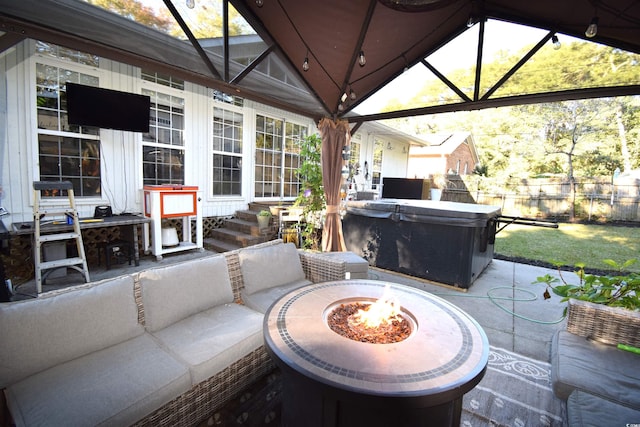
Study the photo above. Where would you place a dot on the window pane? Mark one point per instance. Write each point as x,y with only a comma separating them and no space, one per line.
49,166
70,166
47,119
162,165
227,171
71,159
91,186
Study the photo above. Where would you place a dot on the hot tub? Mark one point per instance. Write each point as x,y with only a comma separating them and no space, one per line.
447,242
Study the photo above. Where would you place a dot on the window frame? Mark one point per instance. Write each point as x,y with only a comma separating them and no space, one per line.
94,135
283,156
231,109
170,91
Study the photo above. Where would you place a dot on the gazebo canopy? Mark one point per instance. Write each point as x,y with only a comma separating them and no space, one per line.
333,37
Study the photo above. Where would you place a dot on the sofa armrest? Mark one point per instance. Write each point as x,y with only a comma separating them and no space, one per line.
318,268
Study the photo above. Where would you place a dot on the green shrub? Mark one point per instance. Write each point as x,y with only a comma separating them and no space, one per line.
614,290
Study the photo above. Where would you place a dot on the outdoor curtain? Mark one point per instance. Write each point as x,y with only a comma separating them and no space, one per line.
335,135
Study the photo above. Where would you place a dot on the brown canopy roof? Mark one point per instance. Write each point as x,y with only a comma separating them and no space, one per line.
392,34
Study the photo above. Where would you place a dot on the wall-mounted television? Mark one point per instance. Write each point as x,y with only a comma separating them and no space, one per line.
105,108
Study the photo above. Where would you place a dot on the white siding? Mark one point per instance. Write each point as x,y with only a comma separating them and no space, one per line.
16,136
121,152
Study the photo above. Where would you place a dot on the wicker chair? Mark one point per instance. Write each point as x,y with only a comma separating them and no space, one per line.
205,398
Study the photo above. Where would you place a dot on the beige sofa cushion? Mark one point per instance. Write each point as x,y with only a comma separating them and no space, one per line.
211,340
602,370
115,386
262,300
270,266
177,291
39,333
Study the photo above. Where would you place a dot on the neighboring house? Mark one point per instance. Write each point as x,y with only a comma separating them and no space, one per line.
235,150
445,153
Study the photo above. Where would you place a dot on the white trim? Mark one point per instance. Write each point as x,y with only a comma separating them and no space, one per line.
32,59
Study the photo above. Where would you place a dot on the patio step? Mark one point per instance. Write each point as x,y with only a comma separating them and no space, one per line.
219,245
239,238
248,215
241,231
243,225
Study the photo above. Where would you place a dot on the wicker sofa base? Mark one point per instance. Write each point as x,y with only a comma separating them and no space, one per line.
599,380
608,325
207,397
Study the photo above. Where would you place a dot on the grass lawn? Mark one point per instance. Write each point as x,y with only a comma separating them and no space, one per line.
571,243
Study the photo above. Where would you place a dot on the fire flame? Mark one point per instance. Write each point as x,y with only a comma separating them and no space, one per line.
383,311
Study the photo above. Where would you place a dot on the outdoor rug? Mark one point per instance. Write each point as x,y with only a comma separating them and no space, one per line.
515,392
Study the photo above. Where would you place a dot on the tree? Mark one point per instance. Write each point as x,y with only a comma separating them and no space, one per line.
624,147
137,11
207,20
512,141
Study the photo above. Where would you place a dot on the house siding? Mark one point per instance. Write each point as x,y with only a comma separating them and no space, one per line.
441,159
462,153
121,152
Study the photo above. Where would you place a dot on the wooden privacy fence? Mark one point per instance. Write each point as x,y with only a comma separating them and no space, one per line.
594,200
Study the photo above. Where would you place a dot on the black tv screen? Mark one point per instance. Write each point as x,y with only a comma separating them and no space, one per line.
105,108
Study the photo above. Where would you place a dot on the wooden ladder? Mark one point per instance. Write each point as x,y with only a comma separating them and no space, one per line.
43,268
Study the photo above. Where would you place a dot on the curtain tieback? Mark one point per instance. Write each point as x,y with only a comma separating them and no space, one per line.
333,209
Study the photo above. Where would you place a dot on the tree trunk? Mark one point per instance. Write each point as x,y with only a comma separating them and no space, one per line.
624,149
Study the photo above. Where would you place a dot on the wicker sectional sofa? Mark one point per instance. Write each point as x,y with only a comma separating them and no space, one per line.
165,346
600,382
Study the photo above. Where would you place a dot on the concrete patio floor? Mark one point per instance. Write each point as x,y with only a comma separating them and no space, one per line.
503,299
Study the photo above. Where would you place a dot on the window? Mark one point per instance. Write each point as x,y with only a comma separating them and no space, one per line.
354,159
60,52
227,153
376,173
65,152
162,79
227,99
277,157
269,147
163,146
292,161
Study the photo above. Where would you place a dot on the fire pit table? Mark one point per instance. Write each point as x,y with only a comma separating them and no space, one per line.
330,379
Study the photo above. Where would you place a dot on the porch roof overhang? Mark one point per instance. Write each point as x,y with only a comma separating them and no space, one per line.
393,34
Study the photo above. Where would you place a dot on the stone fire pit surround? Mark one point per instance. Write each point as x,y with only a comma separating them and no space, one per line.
444,357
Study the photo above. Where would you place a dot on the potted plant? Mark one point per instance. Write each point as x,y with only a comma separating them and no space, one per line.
264,218
603,307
